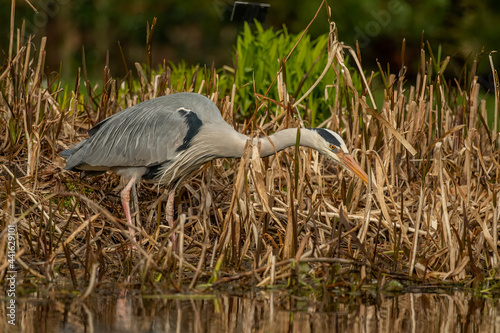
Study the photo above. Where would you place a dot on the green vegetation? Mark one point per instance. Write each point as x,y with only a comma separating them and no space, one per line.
260,54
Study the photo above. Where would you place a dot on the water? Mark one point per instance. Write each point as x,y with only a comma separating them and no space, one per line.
255,312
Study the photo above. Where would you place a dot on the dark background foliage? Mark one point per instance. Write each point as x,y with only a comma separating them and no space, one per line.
198,31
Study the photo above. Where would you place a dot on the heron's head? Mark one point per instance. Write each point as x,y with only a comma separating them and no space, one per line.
332,145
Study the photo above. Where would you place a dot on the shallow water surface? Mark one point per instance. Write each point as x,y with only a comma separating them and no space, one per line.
256,312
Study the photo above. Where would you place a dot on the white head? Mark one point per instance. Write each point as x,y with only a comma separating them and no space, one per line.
331,144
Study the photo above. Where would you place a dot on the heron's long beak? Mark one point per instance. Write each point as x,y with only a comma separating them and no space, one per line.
349,163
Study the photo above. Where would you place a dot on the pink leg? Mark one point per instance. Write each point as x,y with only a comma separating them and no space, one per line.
169,212
125,194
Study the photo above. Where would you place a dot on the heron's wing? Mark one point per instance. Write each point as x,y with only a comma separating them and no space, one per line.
147,134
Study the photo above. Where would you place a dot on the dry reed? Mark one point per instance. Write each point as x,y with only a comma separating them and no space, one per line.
292,219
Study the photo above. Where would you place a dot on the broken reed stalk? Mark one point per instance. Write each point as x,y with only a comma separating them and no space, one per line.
236,216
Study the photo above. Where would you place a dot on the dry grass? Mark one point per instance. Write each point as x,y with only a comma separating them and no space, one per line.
291,219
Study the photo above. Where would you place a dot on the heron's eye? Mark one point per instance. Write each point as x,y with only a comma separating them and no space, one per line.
332,147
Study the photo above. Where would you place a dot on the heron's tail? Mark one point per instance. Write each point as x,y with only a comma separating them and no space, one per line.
66,153
71,160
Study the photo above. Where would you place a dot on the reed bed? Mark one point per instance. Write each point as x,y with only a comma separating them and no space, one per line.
292,220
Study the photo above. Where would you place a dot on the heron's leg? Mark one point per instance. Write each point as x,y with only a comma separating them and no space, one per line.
125,194
134,203
169,212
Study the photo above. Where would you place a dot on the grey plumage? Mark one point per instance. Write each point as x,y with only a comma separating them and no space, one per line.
148,138
167,138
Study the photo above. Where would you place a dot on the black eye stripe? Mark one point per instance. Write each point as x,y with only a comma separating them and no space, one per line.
328,137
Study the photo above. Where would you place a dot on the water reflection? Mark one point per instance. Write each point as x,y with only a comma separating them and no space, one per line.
260,312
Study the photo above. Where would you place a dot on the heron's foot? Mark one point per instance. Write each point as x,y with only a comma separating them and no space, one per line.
133,245
134,242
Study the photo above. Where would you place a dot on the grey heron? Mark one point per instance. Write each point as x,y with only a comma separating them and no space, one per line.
165,139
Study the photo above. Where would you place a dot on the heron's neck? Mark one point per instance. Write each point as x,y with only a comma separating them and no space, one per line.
283,139
230,143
